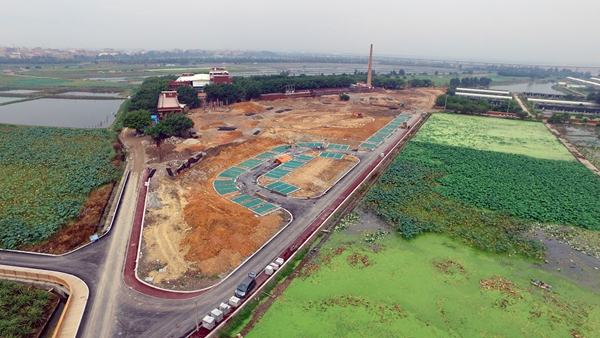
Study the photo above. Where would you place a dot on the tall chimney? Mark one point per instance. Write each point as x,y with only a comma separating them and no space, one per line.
370,68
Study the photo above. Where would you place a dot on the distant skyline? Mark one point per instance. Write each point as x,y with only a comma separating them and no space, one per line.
527,31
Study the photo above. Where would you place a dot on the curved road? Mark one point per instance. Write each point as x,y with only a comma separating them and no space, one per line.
115,310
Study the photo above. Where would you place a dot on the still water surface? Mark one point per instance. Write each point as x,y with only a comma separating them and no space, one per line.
8,99
89,94
61,113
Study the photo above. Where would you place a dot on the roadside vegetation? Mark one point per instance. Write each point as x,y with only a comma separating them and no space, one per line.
24,309
46,176
477,107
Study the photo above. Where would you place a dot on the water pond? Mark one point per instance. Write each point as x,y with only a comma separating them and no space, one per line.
61,113
9,99
90,94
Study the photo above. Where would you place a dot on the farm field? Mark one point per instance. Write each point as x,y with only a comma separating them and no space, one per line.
46,176
24,309
485,198
428,287
493,134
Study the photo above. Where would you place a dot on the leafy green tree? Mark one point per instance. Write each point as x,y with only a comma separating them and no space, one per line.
253,91
559,118
521,114
454,82
137,120
172,124
146,97
344,97
188,95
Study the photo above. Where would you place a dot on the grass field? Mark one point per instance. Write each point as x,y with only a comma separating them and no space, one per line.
493,134
24,309
429,287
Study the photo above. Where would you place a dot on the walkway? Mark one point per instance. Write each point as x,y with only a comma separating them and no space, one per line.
516,96
69,321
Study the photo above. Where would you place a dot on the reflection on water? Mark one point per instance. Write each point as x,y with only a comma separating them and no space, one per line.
19,91
8,99
89,94
61,113
543,88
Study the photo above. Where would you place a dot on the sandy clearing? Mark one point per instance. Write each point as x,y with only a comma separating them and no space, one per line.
318,175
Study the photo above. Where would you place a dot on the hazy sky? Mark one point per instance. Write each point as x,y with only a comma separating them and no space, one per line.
552,31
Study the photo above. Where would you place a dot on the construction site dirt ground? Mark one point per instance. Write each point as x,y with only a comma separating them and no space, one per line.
192,236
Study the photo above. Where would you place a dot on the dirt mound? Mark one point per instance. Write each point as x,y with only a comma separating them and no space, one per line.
228,137
224,233
247,107
212,125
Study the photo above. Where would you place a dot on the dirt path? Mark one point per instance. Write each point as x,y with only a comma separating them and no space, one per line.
135,150
516,97
579,156
103,310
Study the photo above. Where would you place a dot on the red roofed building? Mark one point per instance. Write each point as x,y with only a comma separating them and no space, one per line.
168,104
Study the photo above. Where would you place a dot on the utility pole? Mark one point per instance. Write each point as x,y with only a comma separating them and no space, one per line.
445,101
507,109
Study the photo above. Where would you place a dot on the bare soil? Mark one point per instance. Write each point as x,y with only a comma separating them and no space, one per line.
197,236
318,175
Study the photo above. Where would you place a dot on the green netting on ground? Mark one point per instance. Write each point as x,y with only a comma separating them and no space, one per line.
291,165
310,144
264,208
232,172
240,199
282,187
375,139
303,158
251,163
277,173
368,145
252,203
280,149
331,155
338,146
266,154
224,187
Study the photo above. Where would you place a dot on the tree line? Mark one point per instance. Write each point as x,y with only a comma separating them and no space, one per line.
470,82
540,73
478,107
252,87
594,97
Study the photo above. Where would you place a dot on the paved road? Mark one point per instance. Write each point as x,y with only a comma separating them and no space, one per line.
115,310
